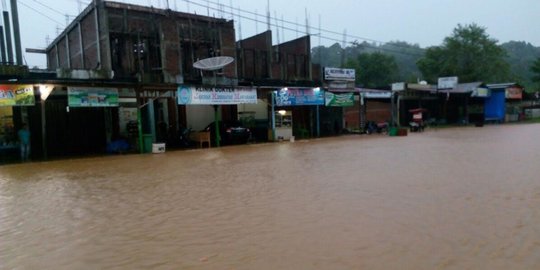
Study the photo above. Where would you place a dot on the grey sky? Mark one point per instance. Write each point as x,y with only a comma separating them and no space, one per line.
424,22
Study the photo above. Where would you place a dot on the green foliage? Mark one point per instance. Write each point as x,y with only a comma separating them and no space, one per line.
521,56
468,53
535,69
374,69
404,54
327,57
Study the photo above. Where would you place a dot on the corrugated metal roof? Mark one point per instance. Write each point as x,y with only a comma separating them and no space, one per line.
463,88
460,88
501,85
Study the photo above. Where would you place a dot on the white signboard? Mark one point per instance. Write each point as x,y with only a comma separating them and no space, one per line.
377,94
447,83
216,95
398,86
339,74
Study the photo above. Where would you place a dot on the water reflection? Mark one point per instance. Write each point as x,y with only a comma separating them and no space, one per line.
444,199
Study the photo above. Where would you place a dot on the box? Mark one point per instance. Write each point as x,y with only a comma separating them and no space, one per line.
158,148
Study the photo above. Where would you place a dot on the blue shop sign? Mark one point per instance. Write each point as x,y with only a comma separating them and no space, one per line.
299,96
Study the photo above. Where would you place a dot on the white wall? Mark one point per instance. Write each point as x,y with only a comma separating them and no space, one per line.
260,109
199,116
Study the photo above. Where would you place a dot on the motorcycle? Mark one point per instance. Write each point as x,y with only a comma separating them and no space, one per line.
184,139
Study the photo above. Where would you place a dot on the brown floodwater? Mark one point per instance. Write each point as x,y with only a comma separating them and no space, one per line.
459,198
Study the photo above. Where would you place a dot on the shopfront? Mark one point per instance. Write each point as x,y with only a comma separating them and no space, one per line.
333,119
14,101
296,112
206,106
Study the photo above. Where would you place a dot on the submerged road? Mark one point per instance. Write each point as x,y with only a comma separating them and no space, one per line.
459,198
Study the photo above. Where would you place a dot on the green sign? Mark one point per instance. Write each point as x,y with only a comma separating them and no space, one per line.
17,95
338,99
92,97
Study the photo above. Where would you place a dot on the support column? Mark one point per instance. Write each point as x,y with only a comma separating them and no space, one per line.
318,124
43,131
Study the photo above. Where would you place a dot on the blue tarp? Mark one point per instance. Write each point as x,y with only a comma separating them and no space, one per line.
494,107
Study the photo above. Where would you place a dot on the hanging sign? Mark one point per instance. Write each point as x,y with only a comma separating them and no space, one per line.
92,97
481,92
339,74
447,83
17,95
338,99
514,93
216,95
298,97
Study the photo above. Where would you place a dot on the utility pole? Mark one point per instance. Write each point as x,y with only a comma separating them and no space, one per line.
16,32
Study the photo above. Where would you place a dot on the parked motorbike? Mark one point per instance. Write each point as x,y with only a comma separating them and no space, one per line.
372,127
184,137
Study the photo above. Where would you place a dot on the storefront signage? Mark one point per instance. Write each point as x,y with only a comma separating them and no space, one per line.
216,95
378,94
92,97
17,95
400,86
339,74
298,97
514,93
338,99
447,83
480,92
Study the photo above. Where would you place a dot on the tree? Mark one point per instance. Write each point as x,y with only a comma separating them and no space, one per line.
535,69
374,69
468,53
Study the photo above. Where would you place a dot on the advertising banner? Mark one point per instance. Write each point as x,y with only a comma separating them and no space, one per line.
339,74
481,92
514,93
17,95
92,97
190,95
299,97
447,82
338,99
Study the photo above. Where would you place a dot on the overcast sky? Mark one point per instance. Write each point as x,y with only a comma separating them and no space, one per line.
423,22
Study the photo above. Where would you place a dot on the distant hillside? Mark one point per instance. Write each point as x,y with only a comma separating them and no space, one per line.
404,53
520,57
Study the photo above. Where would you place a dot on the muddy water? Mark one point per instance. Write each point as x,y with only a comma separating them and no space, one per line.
464,198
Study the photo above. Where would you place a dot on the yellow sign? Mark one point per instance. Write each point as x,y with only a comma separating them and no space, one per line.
17,95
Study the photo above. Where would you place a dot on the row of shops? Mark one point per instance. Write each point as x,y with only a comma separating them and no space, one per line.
77,120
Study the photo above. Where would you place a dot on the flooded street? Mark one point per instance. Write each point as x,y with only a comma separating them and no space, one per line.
459,198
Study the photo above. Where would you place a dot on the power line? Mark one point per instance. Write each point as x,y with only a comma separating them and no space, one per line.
52,9
321,30
39,12
319,34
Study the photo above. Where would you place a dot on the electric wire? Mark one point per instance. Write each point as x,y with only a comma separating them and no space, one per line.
39,12
294,30
49,8
320,29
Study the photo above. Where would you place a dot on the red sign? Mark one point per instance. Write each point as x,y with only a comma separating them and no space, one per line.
514,93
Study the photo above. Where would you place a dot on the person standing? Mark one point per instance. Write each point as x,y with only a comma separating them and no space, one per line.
24,141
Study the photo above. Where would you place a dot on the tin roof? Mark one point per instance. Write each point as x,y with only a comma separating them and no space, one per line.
502,85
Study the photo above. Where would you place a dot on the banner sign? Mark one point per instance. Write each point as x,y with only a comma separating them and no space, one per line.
339,74
447,83
400,86
514,93
17,95
92,97
338,99
215,95
480,92
380,94
298,97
